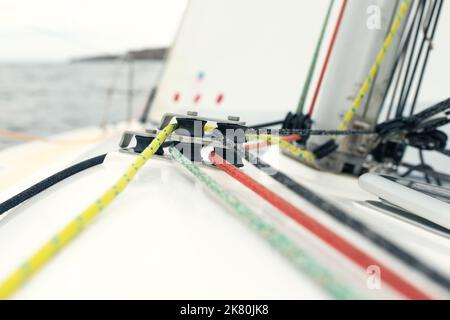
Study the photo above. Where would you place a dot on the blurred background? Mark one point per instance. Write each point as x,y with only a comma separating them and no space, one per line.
68,64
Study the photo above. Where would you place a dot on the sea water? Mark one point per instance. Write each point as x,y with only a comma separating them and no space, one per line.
48,98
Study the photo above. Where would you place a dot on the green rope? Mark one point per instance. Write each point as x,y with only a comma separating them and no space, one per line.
322,276
313,65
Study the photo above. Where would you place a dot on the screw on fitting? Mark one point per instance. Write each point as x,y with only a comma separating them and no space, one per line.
234,118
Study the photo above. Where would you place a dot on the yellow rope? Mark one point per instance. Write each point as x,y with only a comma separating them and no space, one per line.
375,68
77,225
296,152
299,153
14,135
309,156
288,147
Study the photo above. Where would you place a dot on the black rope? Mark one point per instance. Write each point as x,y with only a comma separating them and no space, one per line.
427,170
305,132
445,152
400,65
423,164
268,124
49,182
425,38
403,98
430,171
341,216
443,106
397,70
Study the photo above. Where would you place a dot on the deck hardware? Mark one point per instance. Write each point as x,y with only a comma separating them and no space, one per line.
190,137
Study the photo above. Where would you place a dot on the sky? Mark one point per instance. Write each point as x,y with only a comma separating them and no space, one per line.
58,30
49,30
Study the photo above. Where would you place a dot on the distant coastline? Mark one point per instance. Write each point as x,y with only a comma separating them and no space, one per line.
144,54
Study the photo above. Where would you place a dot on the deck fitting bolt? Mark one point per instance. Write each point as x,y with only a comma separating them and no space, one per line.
192,113
233,118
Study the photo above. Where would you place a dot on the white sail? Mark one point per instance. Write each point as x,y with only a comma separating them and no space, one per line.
240,57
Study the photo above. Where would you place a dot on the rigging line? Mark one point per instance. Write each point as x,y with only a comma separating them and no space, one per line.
403,97
109,94
301,154
375,68
425,38
268,143
66,235
372,89
267,124
398,56
423,164
154,90
282,243
328,56
130,89
255,131
445,152
49,182
315,58
427,21
436,175
422,168
304,219
314,132
427,56
342,217
406,62
443,106
297,152
150,97
402,57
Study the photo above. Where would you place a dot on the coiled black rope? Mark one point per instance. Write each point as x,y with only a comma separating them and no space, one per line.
49,182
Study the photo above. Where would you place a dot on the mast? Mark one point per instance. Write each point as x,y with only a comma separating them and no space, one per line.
363,30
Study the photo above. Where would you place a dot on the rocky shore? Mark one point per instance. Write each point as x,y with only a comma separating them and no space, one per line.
144,54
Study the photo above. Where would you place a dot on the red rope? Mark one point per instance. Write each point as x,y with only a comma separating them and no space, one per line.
327,58
334,240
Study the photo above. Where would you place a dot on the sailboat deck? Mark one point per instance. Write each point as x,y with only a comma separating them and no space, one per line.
169,237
